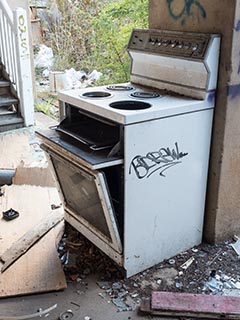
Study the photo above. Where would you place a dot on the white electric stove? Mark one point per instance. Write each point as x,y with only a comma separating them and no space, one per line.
131,159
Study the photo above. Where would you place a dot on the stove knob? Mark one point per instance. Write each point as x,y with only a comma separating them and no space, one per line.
187,45
173,44
165,43
180,45
153,42
194,47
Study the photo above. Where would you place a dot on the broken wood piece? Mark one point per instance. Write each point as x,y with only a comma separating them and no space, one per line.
24,243
192,305
39,270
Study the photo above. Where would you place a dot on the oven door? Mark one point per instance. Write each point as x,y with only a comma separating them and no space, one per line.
87,201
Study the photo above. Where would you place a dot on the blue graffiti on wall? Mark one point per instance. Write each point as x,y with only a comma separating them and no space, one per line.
187,9
237,28
234,91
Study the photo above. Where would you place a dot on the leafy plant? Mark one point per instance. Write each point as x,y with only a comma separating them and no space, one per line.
112,29
45,106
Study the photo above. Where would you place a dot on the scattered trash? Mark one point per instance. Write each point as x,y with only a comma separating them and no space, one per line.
214,285
66,315
223,278
44,58
179,285
64,258
121,305
10,214
236,246
187,264
105,297
75,304
74,277
104,285
215,257
116,286
171,261
220,283
55,207
94,75
79,79
40,313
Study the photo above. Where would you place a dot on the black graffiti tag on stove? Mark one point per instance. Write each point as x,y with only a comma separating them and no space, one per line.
156,162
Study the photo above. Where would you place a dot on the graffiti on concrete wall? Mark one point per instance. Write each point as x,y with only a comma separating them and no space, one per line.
233,90
187,9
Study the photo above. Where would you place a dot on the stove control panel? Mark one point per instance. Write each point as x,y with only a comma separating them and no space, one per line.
189,45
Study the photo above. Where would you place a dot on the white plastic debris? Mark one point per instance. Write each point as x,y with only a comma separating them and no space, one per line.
236,246
187,264
79,79
44,57
94,75
214,285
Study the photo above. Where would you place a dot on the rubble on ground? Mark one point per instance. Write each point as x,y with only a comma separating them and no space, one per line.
207,269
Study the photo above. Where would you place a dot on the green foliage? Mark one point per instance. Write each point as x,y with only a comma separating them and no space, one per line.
70,35
44,106
112,29
94,34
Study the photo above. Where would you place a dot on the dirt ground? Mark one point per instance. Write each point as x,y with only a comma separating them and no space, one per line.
208,269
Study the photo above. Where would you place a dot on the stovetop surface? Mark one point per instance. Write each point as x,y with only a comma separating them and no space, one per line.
127,103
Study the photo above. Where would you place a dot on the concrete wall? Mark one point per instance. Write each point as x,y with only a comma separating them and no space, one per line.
221,16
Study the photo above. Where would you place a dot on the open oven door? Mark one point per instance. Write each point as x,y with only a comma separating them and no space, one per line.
87,201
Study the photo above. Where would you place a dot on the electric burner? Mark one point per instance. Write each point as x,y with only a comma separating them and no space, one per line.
96,94
145,95
120,88
130,105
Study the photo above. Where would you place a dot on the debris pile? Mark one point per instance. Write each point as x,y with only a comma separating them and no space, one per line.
208,269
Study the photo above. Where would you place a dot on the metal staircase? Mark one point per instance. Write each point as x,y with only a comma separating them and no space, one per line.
16,84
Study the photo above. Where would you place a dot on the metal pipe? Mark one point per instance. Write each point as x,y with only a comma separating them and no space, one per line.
6,177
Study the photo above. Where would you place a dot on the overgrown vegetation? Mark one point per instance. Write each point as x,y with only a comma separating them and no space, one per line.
93,34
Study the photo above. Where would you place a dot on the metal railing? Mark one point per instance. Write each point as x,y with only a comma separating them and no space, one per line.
15,56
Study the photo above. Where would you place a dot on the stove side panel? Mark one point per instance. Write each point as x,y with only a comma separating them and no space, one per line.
166,166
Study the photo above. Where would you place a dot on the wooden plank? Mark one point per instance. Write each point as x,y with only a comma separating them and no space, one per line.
33,204
192,305
39,269
19,148
24,243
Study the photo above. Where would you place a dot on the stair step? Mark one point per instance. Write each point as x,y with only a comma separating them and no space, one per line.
4,83
10,122
6,100
7,110
4,87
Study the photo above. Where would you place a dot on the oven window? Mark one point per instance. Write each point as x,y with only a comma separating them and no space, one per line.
81,194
